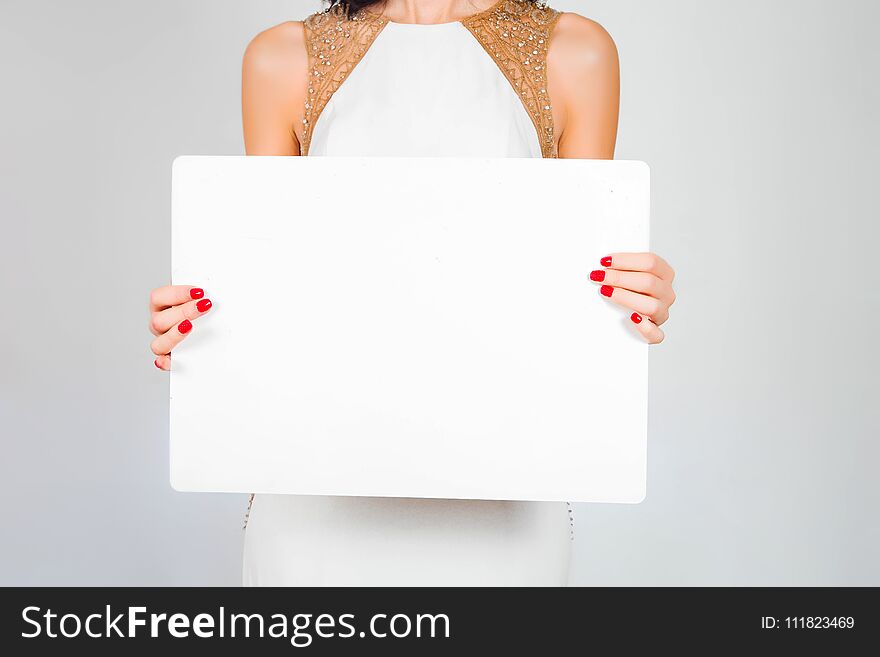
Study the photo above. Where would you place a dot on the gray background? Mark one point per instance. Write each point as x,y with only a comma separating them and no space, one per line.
759,120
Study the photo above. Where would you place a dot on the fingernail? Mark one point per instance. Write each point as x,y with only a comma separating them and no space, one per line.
196,292
185,326
597,275
156,363
203,305
606,261
636,318
606,290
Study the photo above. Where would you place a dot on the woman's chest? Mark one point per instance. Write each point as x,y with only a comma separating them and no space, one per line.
425,90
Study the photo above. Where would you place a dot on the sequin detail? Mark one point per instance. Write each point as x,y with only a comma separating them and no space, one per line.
516,33
335,43
247,513
570,520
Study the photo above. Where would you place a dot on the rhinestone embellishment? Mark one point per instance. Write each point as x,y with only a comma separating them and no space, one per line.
516,33
347,38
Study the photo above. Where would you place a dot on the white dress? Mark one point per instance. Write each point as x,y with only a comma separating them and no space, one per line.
415,90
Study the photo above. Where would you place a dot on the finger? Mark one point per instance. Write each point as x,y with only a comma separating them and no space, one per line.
636,281
173,295
641,303
649,330
648,262
661,317
165,319
163,362
163,344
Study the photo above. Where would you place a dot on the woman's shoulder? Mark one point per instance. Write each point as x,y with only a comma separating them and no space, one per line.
574,37
274,72
276,48
582,42
584,74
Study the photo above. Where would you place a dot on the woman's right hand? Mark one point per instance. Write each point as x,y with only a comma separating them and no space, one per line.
172,309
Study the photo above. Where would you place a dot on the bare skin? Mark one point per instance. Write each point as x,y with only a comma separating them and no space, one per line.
583,81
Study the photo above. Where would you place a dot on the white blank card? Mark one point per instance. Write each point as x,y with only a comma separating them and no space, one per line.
408,327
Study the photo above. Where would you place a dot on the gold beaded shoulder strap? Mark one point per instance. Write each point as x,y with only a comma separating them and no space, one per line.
335,43
516,33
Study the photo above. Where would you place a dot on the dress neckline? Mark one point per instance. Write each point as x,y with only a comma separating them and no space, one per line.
487,10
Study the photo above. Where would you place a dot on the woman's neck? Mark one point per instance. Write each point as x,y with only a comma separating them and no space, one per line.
430,11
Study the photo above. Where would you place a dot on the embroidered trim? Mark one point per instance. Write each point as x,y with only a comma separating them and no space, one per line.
247,513
570,520
516,33
335,43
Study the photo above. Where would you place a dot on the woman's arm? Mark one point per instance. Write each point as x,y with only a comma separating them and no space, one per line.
273,86
584,83
273,83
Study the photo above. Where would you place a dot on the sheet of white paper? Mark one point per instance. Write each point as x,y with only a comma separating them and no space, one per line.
408,327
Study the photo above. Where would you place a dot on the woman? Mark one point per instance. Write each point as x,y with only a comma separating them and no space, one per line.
429,78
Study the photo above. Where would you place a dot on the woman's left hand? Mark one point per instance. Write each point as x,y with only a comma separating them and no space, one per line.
641,282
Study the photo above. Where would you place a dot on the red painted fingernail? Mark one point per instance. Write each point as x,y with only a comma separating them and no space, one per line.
606,261
196,292
203,305
606,290
185,326
636,318
156,363
597,275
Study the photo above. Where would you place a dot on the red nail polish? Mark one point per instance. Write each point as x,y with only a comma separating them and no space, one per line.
606,290
636,318
203,305
185,326
606,261
156,363
196,292
597,275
